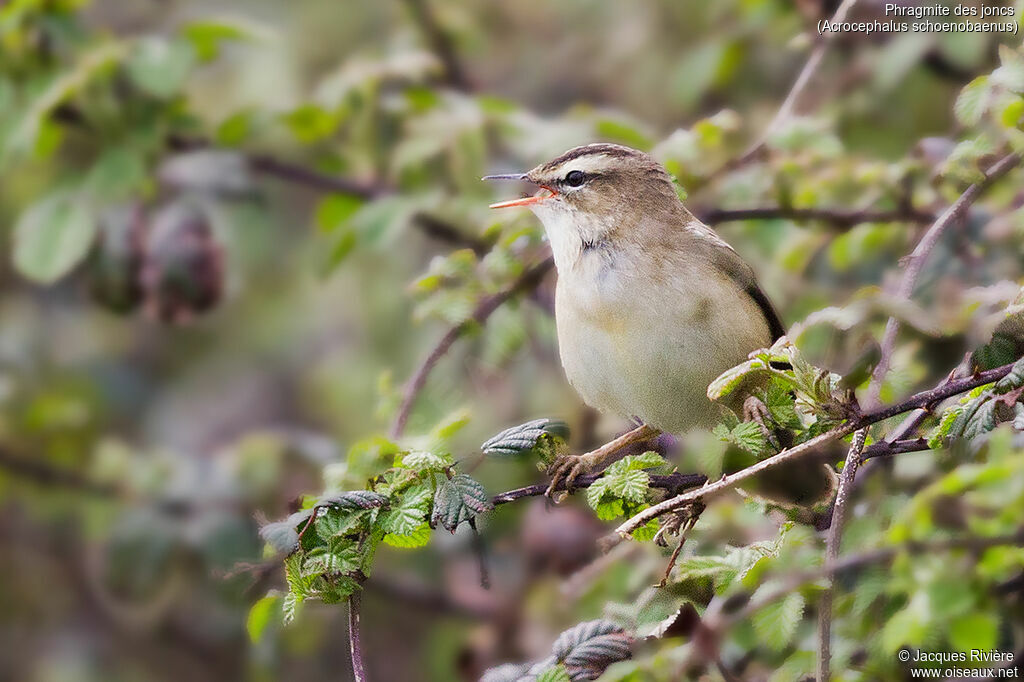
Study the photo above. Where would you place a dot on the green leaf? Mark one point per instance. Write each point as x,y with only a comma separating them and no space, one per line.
747,436
459,499
353,499
206,36
409,514
977,630
647,460
310,123
119,173
776,623
159,66
1015,379
53,236
427,461
419,537
556,673
260,616
523,439
630,484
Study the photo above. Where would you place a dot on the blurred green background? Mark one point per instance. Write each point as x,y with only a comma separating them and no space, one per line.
315,166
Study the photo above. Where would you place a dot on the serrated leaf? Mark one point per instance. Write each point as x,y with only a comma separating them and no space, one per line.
747,436
590,647
523,438
647,460
1015,379
53,236
353,499
776,623
630,485
427,461
731,379
409,514
459,499
418,537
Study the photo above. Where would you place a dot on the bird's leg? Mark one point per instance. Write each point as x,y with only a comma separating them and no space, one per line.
568,468
754,410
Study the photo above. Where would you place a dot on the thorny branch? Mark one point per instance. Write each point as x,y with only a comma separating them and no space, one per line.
876,415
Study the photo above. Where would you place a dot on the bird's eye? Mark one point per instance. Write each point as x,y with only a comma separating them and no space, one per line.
574,178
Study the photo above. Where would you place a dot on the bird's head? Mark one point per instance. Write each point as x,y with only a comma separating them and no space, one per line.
596,192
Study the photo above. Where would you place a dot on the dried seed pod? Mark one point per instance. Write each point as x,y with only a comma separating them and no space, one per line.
115,266
183,263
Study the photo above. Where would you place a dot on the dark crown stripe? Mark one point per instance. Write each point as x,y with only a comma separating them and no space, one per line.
613,150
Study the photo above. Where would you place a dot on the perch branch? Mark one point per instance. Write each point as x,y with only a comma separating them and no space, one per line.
530,278
865,419
672,482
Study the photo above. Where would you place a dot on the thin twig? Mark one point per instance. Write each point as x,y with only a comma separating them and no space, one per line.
788,106
354,641
440,43
835,534
675,482
916,260
525,282
843,218
41,472
865,419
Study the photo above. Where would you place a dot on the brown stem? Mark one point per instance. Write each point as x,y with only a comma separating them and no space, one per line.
525,282
675,482
354,640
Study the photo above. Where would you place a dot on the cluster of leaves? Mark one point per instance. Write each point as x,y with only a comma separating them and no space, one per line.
582,652
982,410
330,544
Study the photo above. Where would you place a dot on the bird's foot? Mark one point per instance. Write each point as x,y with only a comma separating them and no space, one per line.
567,468
754,410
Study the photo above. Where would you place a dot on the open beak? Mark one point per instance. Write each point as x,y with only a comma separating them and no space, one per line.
525,201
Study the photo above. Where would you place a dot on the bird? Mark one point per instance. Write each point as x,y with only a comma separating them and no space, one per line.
651,304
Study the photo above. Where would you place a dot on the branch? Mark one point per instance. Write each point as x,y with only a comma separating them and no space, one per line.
440,44
808,71
354,641
41,472
835,535
526,281
839,217
916,260
930,396
675,482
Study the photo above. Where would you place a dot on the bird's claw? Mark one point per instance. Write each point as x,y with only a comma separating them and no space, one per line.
567,468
